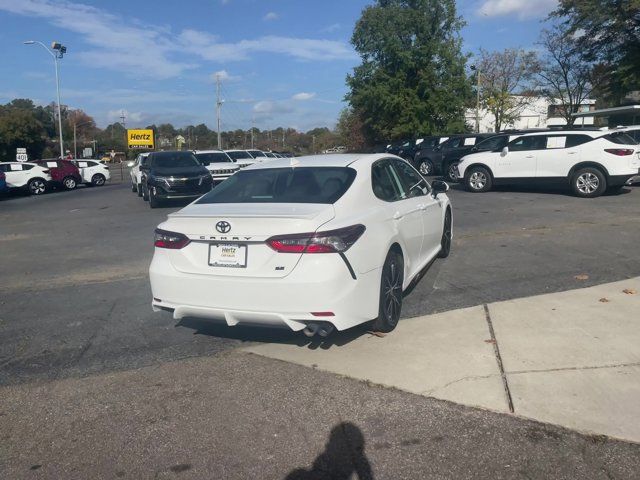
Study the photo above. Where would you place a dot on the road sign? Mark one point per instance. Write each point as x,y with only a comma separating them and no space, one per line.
21,155
140,139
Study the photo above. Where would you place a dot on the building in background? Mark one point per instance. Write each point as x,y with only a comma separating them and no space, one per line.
536,112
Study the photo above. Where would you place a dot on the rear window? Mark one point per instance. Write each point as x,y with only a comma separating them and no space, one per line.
212,157
493,144
173,159
283,185
257,153
239,155
621,138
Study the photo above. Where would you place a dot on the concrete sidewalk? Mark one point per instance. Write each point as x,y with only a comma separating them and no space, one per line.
569,358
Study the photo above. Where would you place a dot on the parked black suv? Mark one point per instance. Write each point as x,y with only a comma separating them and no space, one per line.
446,155
173,175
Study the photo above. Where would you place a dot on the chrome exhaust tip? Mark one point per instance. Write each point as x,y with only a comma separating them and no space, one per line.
311,329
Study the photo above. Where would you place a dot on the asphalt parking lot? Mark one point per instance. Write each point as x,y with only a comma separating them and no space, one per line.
75,303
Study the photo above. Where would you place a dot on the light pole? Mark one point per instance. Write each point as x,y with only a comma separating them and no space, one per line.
75,144
61,50
477,70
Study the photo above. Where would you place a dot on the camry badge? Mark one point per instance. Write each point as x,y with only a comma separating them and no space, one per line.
223,227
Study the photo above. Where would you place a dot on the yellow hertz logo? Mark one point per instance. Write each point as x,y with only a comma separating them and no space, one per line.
140,138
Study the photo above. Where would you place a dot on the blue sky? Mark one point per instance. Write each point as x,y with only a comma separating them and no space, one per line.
282,62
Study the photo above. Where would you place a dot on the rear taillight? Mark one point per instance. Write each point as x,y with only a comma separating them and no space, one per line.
106,168
171,240
2,176
45,171
331,241
620,152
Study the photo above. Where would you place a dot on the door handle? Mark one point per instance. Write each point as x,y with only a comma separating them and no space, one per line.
422,207
529,156
572,153
397,216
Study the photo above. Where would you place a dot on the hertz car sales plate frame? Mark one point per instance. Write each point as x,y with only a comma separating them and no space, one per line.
229,255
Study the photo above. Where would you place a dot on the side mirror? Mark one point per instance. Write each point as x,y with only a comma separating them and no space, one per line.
129,164
438,187
504,152
474,148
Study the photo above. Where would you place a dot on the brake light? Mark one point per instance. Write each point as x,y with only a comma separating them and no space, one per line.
45,171
170,240
331,241
620,152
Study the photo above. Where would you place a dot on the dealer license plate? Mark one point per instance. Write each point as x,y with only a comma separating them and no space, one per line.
227,255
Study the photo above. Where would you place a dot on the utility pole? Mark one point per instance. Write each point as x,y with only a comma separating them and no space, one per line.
123,117
313,148
478,73
218,106
253,123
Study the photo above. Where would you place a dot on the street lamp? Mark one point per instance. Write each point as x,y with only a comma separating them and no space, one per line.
75,144
60,51
477,70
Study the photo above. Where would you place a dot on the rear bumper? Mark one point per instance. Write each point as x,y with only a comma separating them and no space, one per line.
620,180
319,283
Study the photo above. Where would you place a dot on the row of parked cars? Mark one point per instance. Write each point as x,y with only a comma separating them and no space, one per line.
172,175
39,176
589,161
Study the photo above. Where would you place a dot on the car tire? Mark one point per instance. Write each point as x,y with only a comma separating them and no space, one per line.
98,180
390,301
588,182
69,183
478,179
145,193
447,234
154,202
139,189
452,172
134,188
37,186
426,167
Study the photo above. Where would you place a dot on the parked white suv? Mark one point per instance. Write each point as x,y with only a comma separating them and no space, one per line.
93,172
136,176
26,175
241,157
219,164
586,160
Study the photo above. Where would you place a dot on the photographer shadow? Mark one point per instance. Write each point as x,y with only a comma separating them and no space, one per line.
343,457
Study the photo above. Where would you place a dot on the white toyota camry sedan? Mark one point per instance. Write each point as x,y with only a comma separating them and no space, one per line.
313,243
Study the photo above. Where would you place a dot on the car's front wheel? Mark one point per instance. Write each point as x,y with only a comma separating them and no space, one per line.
588,183
452,172
390,302
98,180
154,201
69,183
478,179
139,189
37,186
426,167
145,193
134,187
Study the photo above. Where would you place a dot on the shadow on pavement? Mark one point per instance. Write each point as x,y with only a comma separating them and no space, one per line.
271,334
548,190
343,456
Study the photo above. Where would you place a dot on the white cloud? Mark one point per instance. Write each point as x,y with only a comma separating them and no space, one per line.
224,76
270,16
153,51
303,96
331,28
268,107
521,8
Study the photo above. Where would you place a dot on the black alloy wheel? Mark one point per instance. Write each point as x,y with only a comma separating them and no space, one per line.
390,303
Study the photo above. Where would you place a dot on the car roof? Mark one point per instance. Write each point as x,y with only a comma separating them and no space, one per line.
209,151
21,163
329,160
591,133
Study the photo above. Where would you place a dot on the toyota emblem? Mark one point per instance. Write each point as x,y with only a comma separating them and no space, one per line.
223,227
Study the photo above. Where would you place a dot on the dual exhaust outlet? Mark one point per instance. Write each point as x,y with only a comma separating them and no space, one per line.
321,329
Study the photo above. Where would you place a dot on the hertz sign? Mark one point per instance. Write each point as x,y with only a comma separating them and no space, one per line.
140,139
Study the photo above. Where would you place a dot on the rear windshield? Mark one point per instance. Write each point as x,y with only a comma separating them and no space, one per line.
621,138
239,155
283,185
212,157
492,144
173,159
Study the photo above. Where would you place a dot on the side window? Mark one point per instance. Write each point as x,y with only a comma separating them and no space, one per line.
27,167
454,143
575,140
385,183
413,183
15,167
534,142
4,168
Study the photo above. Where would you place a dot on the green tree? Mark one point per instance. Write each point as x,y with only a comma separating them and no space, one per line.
19,128
608,33
351,131
412,78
